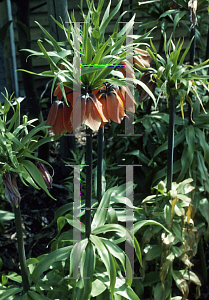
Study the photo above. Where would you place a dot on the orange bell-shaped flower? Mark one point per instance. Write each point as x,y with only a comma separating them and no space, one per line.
112,105
87,110
59,118
127,98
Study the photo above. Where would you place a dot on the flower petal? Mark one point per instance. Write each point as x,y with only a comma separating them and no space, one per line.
52,113
68,92
127,98
58,127
66,118
92,117
103,100
78,113
115,108
98,107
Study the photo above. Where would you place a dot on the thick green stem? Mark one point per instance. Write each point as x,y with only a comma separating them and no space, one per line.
88,180
100,163
170,143
21,249
192,49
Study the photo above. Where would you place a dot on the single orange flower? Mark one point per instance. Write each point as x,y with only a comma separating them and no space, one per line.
59,118
112,105
87,110
127,98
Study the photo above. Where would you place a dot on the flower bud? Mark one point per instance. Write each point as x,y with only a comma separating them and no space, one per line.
45,174
11,190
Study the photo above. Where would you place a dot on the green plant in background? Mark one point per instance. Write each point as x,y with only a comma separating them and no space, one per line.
18,141
174,78
174,210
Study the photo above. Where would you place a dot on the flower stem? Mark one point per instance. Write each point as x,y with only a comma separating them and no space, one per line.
100,163
207,48
191,59
88,180
21,249
170,143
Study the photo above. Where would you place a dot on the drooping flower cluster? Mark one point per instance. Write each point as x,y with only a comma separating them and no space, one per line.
93,109
97,107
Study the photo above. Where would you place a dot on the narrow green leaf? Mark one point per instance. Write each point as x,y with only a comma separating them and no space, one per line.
201,166
185,52
54,42
190,139
107,259
36,175
49,59
140,224
124,291
6,215
17,145
58,255
27,177
36,296
87,269
5,294
108,17
73,221
178,16
119,254
75,257
101,212
204,208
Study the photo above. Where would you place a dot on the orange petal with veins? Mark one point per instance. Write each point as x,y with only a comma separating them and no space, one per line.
78,113
66,118
126,96
58,127
103,100
52,113
92,117
115,108
98,107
